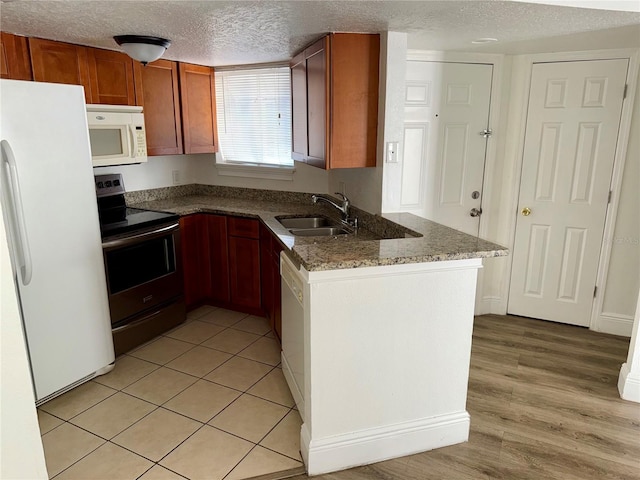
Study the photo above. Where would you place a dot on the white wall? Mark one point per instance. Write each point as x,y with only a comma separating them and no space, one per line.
155,173
305,179
21,453
200,168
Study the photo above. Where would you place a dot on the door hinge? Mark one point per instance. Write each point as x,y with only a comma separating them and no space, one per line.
595,289
624,92
486,133
610,195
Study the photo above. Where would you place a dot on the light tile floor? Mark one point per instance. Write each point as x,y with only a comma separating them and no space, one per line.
206,400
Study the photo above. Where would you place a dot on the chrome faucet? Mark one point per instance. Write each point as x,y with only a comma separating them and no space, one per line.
343,209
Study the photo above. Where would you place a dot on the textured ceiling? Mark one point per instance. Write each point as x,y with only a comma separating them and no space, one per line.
239,32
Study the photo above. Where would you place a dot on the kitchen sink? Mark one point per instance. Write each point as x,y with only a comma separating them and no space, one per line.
305,222
319,231
314,226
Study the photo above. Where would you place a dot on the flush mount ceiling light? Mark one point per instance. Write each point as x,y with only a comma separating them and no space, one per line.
480,41
142,48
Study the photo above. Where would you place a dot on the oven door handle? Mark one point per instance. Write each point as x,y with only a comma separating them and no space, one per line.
135,323
123,242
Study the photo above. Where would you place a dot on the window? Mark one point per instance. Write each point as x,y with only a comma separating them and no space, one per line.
254,116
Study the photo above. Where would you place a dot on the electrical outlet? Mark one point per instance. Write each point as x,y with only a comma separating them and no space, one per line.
176,177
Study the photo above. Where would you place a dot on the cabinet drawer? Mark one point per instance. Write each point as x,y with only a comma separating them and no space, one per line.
243,227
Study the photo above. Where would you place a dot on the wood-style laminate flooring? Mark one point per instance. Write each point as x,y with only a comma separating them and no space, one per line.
544,404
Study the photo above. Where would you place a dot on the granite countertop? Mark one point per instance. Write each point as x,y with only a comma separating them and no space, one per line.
389,239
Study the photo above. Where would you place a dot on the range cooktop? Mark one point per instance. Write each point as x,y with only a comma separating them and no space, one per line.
118,219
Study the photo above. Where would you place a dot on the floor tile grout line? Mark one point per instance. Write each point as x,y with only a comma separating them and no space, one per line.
81,412
84,456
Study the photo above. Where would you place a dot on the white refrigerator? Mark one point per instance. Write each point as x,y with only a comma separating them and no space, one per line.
51,217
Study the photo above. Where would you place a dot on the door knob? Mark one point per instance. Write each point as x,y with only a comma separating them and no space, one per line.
526,211
475,212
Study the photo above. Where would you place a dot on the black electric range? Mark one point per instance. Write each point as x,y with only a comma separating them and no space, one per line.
118,219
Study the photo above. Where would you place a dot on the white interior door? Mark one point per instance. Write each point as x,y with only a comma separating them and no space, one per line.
446,111
570,142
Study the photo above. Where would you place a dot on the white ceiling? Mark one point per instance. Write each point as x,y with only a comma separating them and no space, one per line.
240,32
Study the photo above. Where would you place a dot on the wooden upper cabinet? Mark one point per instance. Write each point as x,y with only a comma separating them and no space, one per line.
111,77
14,57
354,81
340,75
299,145
57,62
317,85
198,103
157,92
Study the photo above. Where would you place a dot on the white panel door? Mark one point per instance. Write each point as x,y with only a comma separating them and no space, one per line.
446,109
570,142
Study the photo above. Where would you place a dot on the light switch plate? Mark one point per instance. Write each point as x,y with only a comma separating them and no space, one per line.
392,152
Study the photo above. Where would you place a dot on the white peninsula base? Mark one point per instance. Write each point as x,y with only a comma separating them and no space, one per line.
386,354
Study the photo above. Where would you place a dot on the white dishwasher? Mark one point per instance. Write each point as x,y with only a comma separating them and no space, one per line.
293,329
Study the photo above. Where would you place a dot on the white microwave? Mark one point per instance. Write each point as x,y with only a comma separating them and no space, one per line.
116,134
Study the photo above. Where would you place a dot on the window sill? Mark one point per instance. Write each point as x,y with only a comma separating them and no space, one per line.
267,172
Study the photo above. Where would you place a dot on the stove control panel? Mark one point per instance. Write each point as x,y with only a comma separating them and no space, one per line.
110,184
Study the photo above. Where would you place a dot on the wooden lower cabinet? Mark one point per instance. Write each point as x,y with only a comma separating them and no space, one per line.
244,268
218,258
244,262
270,248
221,262
195,259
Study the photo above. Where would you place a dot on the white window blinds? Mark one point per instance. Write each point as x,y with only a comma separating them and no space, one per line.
254,115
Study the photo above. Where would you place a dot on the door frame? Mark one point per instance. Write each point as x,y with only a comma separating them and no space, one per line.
521,84
497,62
497,112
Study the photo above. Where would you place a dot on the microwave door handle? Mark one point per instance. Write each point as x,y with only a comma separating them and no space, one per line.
22,251
133,141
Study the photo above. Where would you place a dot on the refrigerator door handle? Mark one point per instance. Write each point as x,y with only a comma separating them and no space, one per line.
24,261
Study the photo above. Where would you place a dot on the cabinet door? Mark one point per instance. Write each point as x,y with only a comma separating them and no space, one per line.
299,107
57,62
14,57
266,274
197,94
157,93
244,263
111,77
218,258
317,102
195,259
354,100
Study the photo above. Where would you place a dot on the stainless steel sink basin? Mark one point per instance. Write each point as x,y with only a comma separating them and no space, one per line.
305,222
319,231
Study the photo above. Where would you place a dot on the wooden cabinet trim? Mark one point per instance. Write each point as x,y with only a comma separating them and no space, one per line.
15,63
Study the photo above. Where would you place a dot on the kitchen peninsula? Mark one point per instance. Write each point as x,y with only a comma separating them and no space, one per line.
385,331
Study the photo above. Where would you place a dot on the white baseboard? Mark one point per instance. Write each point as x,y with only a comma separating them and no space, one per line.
488,305
377,444
628,385
615,324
